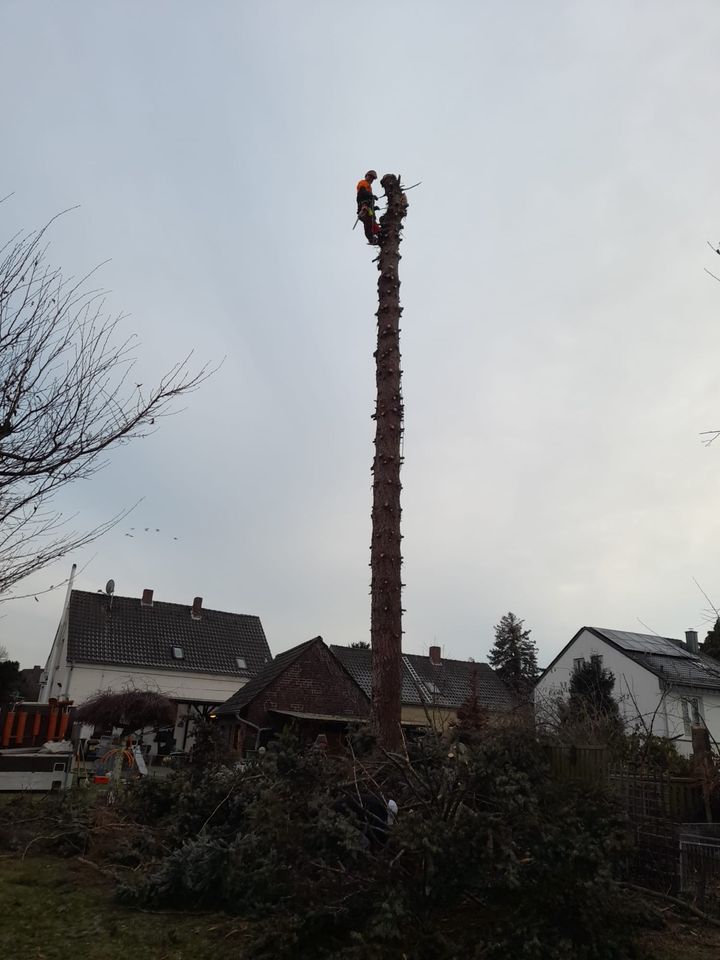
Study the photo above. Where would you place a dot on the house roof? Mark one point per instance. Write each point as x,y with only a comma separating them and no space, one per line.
264,678
423,682
667,658
125,632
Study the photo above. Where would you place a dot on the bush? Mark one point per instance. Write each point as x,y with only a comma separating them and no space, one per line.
647,750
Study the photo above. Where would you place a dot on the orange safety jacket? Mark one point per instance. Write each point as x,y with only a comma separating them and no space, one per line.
365,194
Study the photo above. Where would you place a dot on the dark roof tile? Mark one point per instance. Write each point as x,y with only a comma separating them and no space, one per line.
127,633
446,685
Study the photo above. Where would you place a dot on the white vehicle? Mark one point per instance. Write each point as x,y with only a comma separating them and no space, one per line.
44,769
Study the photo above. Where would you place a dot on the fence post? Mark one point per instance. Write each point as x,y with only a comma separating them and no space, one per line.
702,762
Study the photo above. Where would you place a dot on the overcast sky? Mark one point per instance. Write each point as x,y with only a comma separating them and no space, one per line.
561,342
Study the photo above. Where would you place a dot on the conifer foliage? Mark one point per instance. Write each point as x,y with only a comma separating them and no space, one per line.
591,690
488,857
711,646
514,655
9,680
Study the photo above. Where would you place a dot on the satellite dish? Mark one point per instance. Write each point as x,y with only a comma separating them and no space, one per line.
110,587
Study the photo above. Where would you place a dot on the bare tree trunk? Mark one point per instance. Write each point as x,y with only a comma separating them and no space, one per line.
385,555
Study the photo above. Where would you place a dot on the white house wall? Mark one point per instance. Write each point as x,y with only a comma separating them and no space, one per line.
54,672
636,689
83,680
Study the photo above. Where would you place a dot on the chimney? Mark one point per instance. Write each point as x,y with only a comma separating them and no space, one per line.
435,656
691,641
146,598
196,611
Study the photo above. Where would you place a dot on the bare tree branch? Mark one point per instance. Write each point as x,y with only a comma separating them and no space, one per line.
717,613
67,396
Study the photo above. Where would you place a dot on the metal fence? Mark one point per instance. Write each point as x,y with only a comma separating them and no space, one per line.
699,878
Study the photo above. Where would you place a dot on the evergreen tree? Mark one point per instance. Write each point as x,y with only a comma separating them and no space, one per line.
514,655
711,645
9,680
591,691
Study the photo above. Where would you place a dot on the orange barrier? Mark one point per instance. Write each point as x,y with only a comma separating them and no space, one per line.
8,728
31,724
52,720
20,729
64,721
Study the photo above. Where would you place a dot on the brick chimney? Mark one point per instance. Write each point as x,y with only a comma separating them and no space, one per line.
196,610
435,657
146,598
691,641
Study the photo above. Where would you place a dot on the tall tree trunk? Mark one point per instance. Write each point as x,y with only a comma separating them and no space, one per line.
385,556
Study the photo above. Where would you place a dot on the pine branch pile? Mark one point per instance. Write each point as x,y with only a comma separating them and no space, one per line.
488,857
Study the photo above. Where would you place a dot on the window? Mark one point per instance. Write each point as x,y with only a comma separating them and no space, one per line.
177,653
578,663
240,661
596,660
431,687
690,713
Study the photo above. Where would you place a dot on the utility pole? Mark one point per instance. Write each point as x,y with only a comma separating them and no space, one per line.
385,554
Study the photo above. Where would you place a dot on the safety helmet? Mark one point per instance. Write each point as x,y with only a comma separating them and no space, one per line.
371,175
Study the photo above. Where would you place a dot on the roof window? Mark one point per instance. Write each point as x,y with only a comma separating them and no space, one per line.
178,653
240,661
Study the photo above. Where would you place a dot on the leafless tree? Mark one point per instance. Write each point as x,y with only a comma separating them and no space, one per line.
67,395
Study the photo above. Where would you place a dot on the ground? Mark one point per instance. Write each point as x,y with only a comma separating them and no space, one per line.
53,908
684,941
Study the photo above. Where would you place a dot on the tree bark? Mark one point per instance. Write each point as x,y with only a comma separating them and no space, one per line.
385,554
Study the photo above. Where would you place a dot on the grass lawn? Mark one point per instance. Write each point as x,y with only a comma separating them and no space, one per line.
52,908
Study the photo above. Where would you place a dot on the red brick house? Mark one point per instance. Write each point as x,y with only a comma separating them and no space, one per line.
305,688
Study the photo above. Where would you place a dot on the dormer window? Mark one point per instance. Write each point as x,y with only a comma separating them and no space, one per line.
240,661
178,653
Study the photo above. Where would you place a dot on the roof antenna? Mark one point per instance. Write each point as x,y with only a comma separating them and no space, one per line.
110,590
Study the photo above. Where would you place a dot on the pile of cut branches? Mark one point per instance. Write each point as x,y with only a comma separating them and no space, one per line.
487,857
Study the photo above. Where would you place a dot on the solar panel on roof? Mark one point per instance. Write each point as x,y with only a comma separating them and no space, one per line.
643,643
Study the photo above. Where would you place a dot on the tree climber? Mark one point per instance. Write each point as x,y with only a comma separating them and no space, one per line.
366,207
